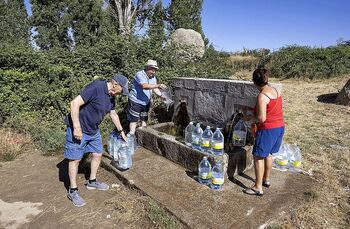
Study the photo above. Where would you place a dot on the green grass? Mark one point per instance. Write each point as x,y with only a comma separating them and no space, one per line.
311,195
160,217
7,157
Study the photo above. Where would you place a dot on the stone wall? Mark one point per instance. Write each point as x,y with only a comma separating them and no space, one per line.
213,101
174,149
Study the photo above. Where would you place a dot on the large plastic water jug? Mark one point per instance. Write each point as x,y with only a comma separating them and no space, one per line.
217,143
206,140
197,137
110,145
294,158
124,157
167,95
204,171
188,134
131,143
218,174
117,140
281,158
239,134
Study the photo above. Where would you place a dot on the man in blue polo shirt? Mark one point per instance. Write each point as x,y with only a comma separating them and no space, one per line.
83,136
140,97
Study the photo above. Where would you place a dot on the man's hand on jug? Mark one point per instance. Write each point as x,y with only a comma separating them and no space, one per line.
162,86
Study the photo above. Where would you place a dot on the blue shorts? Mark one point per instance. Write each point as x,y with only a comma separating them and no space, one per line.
75,149
268,141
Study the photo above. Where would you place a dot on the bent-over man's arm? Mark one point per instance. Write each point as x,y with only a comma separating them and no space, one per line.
118,125
75,105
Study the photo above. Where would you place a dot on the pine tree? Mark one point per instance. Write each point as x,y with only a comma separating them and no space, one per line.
87,21
51,22
156,30
14,22
185,14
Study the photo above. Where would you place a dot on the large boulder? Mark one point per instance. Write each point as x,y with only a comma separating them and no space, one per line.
344,95
187,44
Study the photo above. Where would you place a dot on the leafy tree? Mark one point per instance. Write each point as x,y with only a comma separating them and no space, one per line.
87,21
14,22
185,14
51,21
127,12
156,30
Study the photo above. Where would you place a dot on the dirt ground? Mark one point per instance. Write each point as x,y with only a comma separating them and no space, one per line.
33,195
33,187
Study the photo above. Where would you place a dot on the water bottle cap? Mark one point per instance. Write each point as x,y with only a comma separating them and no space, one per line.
191,123
208,127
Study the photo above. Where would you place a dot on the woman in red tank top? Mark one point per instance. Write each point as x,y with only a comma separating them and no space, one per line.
269,116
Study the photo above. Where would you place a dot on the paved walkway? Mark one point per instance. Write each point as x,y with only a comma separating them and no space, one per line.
198,206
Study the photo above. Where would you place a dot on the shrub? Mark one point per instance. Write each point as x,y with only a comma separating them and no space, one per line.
306,62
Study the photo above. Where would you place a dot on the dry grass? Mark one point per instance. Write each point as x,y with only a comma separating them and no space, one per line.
239,62
12,144
321,129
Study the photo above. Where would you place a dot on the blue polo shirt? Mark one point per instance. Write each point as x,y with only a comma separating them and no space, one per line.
97,104
139,95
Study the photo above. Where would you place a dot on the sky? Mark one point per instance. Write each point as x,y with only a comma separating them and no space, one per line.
231,25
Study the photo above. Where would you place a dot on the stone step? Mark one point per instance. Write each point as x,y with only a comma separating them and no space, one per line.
198,206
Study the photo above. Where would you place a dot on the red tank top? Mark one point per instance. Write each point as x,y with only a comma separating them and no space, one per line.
274,114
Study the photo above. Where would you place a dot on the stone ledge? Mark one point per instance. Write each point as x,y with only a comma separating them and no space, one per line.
168,146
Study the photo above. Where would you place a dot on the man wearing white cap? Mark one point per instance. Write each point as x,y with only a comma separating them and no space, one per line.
140,95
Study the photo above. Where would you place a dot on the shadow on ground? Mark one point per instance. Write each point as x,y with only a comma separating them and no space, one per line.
327,98
63,175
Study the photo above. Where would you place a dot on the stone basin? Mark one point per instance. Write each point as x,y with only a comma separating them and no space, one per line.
156,139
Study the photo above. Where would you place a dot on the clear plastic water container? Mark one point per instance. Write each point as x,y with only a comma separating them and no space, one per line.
110,145
281,158
217,143
239,134
188,134
206,140
167,95
124,161
197,137
117,140
204,171
218,176
294,158
132,143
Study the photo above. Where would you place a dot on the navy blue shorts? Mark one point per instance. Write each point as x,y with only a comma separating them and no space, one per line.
268,141
75,149
137,112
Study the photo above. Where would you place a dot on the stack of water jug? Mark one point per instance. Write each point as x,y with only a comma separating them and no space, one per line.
214,177
205,141
209,143
288,158
121,151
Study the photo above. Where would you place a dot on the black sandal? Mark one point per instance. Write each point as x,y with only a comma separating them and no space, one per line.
266,183
251,191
